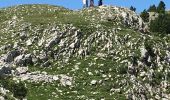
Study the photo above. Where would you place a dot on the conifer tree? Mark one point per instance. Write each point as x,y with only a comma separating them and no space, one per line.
161,7
152,8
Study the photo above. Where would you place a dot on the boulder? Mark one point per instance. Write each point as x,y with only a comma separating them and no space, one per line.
23,60
19,60
23,35
43,57
72,45
40,43
29,42
2,98
28,59
52,42
34,60
167,58
21,70
93,82
65,80
11,55
5,47
55,78
2,91
15,46
5,70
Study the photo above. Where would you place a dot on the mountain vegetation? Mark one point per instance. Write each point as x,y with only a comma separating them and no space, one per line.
97,53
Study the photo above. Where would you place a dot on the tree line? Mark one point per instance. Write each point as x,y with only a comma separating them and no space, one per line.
161,24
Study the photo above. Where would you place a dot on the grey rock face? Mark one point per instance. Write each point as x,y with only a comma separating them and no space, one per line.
21,70
55,39
43,77
128,17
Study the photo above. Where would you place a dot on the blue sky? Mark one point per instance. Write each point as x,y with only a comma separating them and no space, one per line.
77,4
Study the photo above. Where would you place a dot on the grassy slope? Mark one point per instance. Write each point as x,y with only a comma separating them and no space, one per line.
38,15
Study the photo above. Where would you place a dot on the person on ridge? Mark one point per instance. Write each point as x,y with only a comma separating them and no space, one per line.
91,3
85,3
100,2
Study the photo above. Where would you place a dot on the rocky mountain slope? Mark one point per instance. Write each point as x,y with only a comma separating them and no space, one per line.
103,53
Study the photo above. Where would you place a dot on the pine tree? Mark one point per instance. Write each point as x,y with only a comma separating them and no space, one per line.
152,8
145,16
161,7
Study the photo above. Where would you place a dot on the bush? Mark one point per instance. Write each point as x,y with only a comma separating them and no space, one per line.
157,78
123,69
18,89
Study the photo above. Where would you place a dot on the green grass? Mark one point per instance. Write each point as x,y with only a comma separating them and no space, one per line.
82,80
